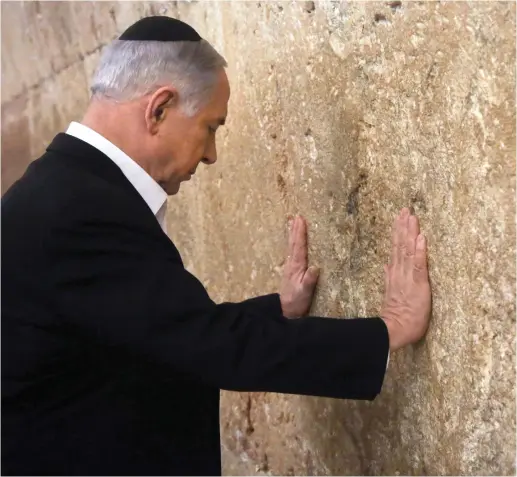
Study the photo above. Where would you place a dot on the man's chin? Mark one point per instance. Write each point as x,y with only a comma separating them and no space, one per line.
173,189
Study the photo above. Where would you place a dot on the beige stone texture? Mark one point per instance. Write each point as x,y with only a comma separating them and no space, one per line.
343,112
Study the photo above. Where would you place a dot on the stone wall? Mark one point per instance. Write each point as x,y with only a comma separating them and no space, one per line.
344,112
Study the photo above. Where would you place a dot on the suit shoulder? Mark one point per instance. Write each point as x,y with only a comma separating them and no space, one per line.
50,191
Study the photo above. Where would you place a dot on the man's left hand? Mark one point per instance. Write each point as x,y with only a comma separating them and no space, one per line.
298,280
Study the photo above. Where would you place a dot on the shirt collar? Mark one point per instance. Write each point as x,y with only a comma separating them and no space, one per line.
154,196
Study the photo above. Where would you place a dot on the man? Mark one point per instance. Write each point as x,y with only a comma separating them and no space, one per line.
113,355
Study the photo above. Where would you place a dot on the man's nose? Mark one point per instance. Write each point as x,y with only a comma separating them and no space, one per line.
210,156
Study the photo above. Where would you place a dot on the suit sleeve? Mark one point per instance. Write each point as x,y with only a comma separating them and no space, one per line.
120,287
266,305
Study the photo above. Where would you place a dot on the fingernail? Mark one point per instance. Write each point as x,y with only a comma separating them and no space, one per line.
420,240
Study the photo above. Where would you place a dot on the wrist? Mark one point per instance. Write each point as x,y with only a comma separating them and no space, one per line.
394,333
286,310
289,309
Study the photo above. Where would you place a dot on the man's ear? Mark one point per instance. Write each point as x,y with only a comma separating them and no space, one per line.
158,107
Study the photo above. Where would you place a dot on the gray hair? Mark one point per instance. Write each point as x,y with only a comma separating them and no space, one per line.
131,69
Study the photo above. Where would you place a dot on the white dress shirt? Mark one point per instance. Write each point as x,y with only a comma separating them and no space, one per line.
154,196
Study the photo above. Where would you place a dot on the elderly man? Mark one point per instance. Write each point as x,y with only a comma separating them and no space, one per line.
113,354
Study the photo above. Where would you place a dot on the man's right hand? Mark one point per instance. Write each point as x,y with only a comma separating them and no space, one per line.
406,308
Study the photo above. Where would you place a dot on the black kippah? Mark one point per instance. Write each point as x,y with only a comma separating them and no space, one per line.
160,28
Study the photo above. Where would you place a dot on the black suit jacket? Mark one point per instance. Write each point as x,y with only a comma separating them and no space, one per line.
113,354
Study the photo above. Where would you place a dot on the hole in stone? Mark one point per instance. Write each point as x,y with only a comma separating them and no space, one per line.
280,182
308,132
417,203
280,8
379,17
273,136
309,7
394,5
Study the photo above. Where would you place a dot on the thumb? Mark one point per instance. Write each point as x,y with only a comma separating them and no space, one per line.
311,275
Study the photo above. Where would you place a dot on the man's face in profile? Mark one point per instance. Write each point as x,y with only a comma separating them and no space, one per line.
185,141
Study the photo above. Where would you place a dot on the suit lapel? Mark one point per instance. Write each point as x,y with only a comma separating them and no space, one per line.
80,154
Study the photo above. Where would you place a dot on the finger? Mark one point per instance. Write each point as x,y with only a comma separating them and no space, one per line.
402,227
412,233
291,236
396,237
394,240
300,243
311,276
420,263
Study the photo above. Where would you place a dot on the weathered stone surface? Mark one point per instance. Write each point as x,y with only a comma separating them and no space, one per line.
55,103
343,112
42,38
346,113
16,154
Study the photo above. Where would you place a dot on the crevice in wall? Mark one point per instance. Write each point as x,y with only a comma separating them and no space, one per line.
80,58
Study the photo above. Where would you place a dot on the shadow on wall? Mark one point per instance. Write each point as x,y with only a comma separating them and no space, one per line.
15,152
